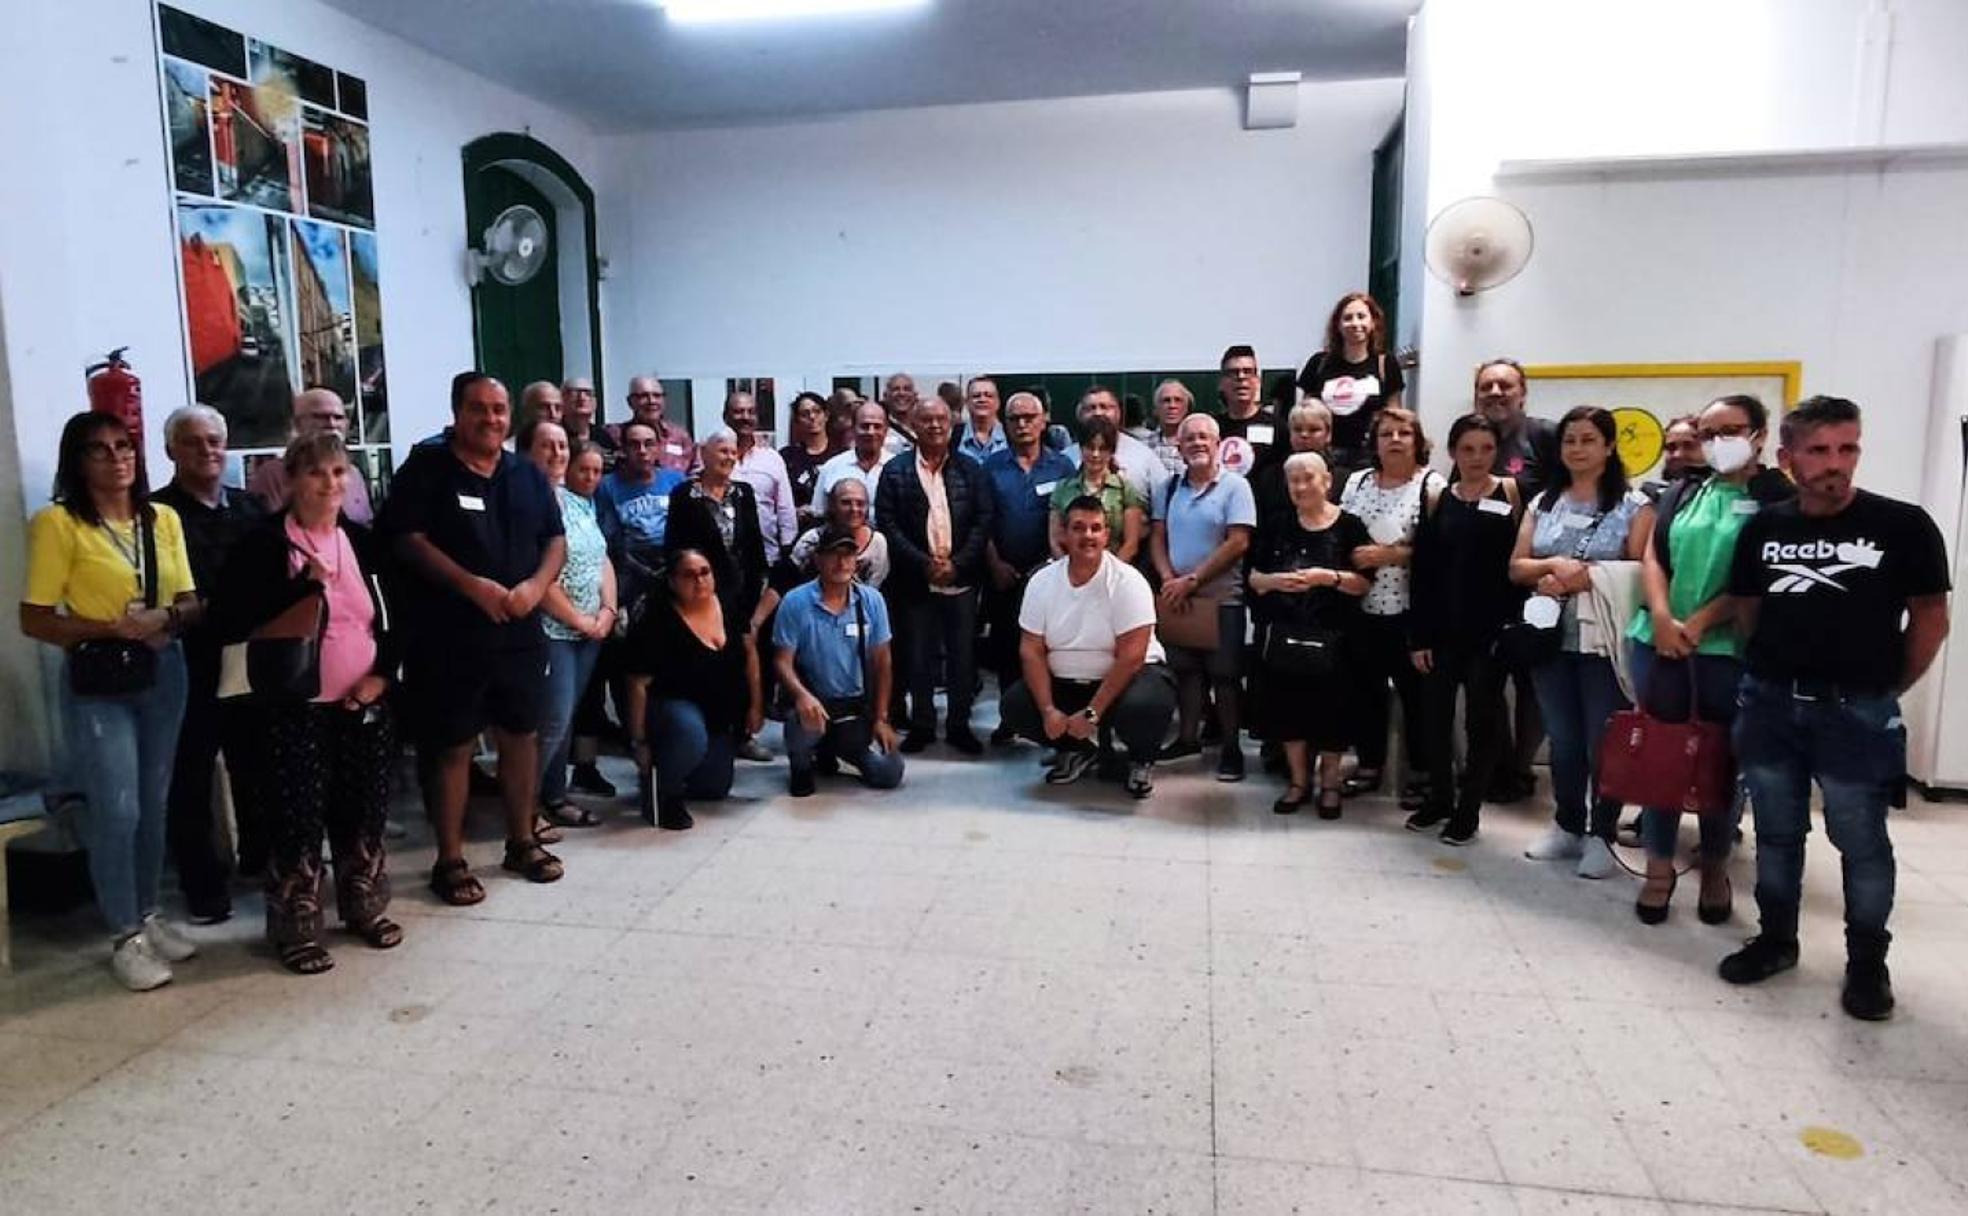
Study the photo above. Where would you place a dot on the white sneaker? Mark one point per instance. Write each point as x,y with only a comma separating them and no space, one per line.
136,965
1556,845
166,940
1597,860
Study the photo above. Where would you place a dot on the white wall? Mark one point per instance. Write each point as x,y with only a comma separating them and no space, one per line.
1107,232
1855,272
87,256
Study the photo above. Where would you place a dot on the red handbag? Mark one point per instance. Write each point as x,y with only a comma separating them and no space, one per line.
1675,766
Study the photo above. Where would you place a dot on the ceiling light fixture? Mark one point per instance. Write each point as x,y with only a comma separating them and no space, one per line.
704,12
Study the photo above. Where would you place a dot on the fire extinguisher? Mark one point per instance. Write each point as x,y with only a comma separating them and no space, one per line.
115,390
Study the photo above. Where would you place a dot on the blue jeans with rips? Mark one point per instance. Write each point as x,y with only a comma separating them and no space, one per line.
1854,749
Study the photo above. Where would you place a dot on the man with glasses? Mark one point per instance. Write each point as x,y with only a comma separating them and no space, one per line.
317,409
936,510
1249,427
1022,478
864,461
675,449
578,407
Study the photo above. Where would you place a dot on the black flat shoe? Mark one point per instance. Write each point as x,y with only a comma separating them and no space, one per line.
1356,785
1331,804
1717,914
1289,803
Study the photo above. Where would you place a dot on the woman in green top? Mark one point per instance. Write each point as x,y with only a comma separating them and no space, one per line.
1685,640
1098,476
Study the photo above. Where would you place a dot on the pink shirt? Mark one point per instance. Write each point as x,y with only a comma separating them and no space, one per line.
348,646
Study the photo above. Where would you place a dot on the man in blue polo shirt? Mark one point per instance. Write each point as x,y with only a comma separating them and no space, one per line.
1022,478
478,530
833,645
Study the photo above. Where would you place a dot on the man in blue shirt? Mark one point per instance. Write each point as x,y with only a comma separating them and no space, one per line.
983,436
1022,478
632,505
833,643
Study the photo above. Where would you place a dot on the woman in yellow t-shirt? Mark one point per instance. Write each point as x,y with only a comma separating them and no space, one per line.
92,579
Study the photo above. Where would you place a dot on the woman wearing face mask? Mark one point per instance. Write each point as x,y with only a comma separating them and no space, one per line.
1588,516
1685,639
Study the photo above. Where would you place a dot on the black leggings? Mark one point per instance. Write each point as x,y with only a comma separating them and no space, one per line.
1478,675
1381,655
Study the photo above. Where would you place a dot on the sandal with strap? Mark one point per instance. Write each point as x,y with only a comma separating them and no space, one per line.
381,933
454,883
567,815
306,958
527,858
544,830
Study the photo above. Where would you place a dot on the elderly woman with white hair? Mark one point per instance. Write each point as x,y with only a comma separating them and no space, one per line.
1304,584
215,517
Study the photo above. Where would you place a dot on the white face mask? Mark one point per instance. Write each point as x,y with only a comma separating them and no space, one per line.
1728,453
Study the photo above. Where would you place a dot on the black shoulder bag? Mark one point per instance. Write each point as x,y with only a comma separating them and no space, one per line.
117,667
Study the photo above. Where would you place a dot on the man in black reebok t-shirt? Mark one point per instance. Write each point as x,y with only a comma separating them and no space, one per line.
1843,597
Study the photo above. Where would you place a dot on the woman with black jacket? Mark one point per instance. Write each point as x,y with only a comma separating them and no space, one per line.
325,728
1462,599
717,515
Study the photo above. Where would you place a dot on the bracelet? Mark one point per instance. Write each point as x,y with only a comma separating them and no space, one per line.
172,621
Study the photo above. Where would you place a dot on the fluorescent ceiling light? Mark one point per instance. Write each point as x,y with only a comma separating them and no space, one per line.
707,11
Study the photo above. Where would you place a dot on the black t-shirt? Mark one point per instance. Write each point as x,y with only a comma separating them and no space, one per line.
1246,444
1354,392
803,470
682,668
1530,456
1461,593
496,527
1834,589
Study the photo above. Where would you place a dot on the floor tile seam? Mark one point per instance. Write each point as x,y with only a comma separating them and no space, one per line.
1762,1135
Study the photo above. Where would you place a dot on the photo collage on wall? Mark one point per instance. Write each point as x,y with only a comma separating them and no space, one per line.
276,218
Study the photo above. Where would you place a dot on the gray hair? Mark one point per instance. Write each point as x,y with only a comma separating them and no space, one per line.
1308,460
1215,431
185,415
1186,394
723,434
1015,398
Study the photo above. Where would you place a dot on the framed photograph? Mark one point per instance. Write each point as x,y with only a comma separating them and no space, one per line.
1645,397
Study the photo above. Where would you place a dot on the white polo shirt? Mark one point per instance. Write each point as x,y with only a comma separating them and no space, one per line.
847,464
1079,624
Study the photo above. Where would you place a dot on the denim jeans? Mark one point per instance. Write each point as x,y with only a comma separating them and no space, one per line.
1578,693
1855,749
570,667
1663,686
852,742
123,749
690,761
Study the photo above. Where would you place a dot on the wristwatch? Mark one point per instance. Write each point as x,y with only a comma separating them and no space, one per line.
1091,714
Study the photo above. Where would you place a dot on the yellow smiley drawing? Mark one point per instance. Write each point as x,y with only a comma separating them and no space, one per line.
1641,438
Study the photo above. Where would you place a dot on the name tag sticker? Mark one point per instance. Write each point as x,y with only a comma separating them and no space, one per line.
1259,433
471,502
1045,491
1748,506
1493,506
674,449
851,629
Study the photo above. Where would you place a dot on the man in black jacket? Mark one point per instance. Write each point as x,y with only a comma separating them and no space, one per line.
935,509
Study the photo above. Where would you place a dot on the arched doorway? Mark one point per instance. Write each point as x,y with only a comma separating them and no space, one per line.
548,328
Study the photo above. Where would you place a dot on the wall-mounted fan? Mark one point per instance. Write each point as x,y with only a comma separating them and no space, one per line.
1478,243
515,248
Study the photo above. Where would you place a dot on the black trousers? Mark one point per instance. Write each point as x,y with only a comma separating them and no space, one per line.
334,767
191,831
940,634
1139,718
1001,612
1477,674
1381,658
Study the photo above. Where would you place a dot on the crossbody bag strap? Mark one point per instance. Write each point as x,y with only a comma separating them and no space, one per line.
148,575
861,638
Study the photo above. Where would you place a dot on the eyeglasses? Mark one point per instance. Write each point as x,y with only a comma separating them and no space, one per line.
1707,433
1241,373
112,449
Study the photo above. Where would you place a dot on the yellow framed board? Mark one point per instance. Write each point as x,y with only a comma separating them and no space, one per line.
1645,397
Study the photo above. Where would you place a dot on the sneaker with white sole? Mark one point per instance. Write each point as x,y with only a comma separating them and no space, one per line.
167,940
1140,779
1556,845
136,965
1596,861
1072,765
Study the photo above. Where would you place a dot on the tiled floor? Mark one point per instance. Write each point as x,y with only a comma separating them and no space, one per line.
979,994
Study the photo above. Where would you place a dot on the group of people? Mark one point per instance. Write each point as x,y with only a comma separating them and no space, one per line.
1286,568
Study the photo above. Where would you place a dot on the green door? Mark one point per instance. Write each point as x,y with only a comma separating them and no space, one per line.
517,328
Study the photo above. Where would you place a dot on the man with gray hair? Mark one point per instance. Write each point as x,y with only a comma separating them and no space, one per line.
675,450
577,417
316,409
215,517
539,401
1173,401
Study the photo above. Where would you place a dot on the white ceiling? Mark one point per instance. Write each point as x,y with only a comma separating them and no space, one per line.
621,65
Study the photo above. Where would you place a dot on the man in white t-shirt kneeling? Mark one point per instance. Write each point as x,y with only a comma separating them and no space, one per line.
1093,671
